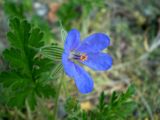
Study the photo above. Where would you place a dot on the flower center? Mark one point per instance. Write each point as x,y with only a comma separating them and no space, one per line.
78,56
83,57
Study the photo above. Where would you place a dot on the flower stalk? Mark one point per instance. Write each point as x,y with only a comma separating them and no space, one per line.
57,96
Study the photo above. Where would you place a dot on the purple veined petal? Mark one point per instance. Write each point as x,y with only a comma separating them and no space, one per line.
68,65
99,61
94,43
83,80
72,40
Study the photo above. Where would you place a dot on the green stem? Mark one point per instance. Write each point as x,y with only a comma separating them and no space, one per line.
29,113
65,89
57,97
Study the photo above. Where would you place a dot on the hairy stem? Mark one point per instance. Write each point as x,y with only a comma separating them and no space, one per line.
57,96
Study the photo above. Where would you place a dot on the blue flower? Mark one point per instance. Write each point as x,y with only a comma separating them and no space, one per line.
87,52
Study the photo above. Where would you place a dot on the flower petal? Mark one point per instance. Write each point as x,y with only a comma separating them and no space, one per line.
68,65
72,40
99,61
83,81
94,43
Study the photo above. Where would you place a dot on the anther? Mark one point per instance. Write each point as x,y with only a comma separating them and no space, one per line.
83,57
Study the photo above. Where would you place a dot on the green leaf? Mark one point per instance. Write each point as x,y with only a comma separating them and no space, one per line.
101,101
28,75
119,107
43,25
45,90
42,67
17,62
13,9
9,79
72,7
19,33
36,35
14,83
17,100
31,98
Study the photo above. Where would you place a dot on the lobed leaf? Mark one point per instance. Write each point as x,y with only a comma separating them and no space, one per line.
28,75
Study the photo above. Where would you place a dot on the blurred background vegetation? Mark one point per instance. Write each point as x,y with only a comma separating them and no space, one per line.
134,29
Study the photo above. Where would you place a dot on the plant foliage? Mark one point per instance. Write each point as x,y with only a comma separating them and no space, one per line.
75,9
28,74
119,107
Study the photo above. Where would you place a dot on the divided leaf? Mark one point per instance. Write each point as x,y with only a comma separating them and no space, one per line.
119,107
36,35
118,103
12,9
28,75
17,60
19,33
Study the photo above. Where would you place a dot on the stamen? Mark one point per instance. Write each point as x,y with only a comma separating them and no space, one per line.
78,56
83,57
